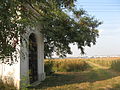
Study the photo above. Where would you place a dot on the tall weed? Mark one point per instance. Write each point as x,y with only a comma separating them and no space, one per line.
112,63
116,65
65,66
4,86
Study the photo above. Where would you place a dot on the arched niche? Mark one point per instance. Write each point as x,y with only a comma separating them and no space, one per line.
33,60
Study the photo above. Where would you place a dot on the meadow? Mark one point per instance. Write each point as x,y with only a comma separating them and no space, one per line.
80,74
98,74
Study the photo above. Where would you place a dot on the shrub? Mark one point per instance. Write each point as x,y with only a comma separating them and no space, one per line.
48,67
76,66
116,65
65,66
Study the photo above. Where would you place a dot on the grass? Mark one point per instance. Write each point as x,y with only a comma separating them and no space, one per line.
87,80
65,66
104,61
97,78
104,74
6,86
112,63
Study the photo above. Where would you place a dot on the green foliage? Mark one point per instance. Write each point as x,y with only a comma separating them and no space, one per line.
116,65
70,66
48,67
58,27
65,66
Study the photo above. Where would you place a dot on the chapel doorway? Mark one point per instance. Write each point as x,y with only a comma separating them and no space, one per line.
33,62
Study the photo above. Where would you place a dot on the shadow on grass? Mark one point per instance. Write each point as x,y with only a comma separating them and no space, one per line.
60,79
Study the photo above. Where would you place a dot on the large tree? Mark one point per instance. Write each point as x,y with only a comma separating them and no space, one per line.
62,24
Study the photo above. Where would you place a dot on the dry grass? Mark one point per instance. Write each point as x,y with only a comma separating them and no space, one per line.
65,66
6,86
112,63
97,78
73,59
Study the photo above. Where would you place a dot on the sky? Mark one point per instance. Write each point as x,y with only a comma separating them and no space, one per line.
108,43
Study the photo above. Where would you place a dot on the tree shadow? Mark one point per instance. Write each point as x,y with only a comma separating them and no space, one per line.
60,79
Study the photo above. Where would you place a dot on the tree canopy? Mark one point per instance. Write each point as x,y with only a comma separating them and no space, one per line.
62,24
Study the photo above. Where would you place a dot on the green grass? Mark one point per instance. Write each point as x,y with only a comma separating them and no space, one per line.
98,78
101,75
65,66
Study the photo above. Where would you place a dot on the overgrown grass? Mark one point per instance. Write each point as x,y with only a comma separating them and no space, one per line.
65,66
104,61
116,65
79,74
76,65
112,63
97,78
6,86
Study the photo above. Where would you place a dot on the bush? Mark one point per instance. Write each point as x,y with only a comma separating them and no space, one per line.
65,66
72,66
116,65
48,67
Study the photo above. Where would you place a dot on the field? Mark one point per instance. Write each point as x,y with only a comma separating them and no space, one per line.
103,74
81,74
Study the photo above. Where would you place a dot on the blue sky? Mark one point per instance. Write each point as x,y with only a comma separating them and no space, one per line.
107,11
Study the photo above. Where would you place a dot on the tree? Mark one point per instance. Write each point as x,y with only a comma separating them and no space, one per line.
62,24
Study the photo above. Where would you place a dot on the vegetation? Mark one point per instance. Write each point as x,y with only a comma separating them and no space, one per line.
76,65
57,25
116,65
52,66
48,66
112,63
6,86
104,61
98,77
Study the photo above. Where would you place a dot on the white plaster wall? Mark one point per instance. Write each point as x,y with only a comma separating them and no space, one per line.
11,73
20,70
